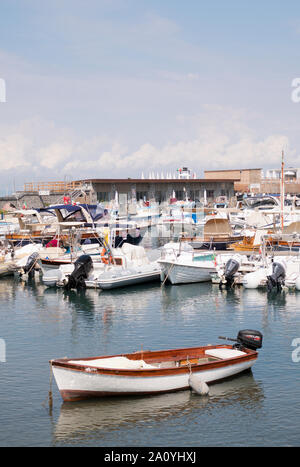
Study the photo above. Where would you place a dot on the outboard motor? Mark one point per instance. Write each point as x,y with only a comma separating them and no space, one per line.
30,265
277,277
82,267
231,267
248,338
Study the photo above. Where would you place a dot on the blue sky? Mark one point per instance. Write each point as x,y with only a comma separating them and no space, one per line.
111,88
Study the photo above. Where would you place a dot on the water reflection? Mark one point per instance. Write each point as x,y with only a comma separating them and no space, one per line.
80,300
192,299
95,301
8,289
79,421
47,323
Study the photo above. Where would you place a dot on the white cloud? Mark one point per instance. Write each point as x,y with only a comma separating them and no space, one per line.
54,154
220,140
216,138
14,151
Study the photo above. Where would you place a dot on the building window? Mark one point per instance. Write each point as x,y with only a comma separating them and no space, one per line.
158,196
194,195
210,193
141,195
179,194
102,196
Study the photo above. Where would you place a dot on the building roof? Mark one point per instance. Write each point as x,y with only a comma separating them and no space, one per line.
154,180
230,170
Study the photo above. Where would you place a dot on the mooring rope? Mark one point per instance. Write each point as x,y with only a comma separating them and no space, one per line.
168,274
50,397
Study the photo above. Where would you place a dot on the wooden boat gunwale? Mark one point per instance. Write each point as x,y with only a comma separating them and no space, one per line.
170,355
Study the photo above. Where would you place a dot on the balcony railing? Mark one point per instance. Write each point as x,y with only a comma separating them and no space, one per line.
57,187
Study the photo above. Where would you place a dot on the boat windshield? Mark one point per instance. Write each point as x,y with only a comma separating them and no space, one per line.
254,202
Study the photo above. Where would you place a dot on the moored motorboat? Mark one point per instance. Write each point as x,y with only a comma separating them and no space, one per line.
124,266
231,268
120,277
154,372
279,272
15,260
181,264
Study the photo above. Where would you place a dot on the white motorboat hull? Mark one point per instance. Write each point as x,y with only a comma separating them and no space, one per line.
178,273
7,269
123,281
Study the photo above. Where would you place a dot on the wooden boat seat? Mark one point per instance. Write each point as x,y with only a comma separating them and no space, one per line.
114,362
224,353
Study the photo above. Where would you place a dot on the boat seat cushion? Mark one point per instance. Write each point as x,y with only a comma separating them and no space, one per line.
123,363
224,353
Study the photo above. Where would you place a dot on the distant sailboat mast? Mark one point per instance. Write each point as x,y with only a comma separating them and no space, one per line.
282,189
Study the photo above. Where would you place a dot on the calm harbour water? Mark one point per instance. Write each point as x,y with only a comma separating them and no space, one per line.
260,408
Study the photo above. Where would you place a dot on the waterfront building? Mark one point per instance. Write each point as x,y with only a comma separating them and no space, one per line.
104,190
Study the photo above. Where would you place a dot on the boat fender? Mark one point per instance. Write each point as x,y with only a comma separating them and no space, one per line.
198,385
106,256
297,283
103,253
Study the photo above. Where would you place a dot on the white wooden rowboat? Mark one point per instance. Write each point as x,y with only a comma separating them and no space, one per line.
153,372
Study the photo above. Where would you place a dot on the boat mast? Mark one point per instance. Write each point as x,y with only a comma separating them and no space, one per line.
282,190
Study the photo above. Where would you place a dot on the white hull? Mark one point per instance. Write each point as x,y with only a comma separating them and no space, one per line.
7,269
186,273
123,281
89,383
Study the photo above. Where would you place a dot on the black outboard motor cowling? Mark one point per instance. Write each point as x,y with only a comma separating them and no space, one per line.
250,339
82,267
31,262
231,267
277,278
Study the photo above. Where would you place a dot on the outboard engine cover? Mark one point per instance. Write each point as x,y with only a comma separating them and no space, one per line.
31,261
231,267
250,339
277,277
82,267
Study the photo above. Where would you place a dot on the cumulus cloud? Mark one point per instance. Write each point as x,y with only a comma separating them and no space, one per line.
215,138
219,140
14,151
54,154
199,154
